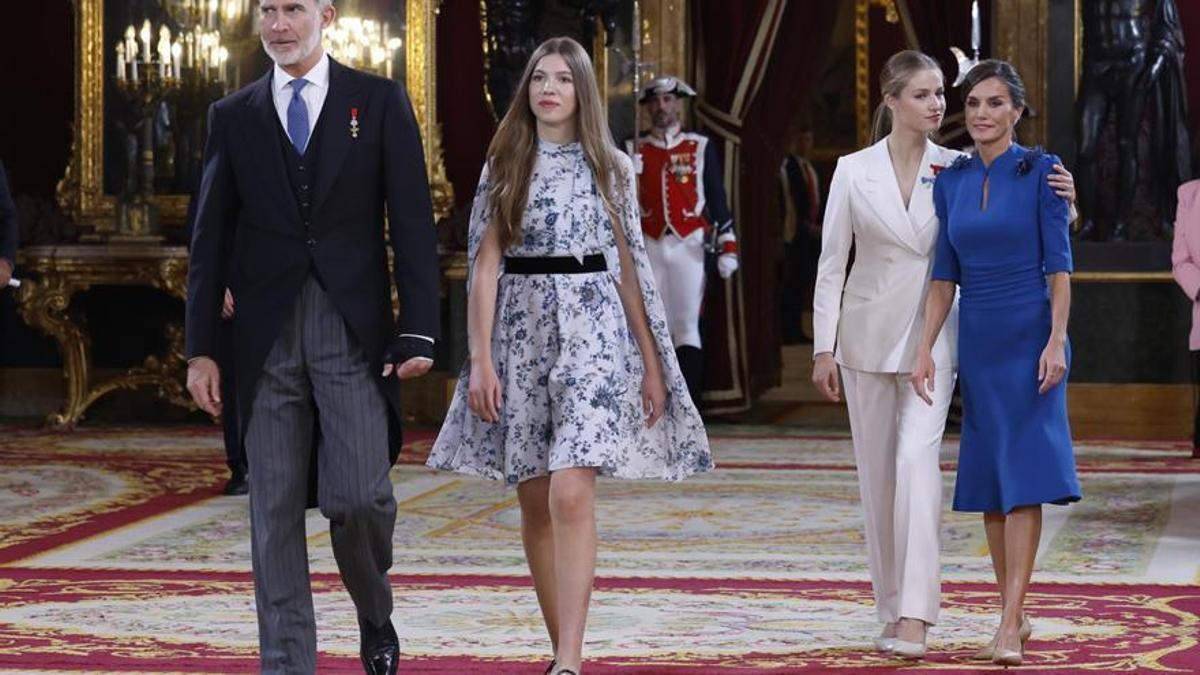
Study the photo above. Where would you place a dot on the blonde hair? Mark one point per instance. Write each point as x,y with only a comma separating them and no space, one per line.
894,76
513,149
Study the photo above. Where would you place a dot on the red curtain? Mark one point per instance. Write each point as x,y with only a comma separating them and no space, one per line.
756,61
467,124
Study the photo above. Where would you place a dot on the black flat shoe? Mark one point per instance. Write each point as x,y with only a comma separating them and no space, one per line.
237,484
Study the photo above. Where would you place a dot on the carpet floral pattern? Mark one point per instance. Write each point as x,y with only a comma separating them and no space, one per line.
116,555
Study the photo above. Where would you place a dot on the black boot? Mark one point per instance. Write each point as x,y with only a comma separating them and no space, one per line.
691,363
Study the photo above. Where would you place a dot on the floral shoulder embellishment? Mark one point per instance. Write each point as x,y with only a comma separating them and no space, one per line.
1028,159
961,162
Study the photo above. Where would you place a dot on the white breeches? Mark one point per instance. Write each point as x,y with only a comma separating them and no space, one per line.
678,266
897,437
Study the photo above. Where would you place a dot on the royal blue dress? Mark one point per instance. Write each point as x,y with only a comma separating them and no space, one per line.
1016,443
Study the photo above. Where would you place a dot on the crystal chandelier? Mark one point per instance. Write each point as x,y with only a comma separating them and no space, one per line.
364,44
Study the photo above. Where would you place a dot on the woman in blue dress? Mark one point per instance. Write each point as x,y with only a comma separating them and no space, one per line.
1003,242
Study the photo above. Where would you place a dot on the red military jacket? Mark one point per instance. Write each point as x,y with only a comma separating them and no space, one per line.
680,187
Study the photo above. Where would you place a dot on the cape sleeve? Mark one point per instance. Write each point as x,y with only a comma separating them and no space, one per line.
680,430
481,214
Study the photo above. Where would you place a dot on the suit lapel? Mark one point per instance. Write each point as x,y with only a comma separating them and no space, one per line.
262,137
337,138
885,195
920,205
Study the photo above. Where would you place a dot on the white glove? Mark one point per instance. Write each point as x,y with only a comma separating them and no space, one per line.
727,264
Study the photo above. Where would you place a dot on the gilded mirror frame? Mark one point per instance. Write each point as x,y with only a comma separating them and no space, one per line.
80,193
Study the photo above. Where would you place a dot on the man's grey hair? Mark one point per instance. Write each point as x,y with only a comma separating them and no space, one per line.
321,4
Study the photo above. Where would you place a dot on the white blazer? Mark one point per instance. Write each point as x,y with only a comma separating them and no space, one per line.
871,318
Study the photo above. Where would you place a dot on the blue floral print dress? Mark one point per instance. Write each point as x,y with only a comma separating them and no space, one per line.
569,366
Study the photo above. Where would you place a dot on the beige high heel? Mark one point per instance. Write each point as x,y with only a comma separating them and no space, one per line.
910,650
1008,657
988,653
885,643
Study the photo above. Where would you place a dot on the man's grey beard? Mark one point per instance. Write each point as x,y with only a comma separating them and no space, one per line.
303,53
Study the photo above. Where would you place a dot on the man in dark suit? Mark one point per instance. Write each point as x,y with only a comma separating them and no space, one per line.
801,197
300,172
8,232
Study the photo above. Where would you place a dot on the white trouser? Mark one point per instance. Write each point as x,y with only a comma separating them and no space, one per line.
897,437
678,266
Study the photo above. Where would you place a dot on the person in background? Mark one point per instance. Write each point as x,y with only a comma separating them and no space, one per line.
800,192
685,216
8,231
235,449
1185,266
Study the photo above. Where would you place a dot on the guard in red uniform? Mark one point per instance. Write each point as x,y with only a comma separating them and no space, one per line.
684,215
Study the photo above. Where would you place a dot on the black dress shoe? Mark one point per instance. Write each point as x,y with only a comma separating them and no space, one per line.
383,660
380,648
237,484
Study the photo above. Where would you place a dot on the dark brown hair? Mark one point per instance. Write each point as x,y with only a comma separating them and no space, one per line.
1002,70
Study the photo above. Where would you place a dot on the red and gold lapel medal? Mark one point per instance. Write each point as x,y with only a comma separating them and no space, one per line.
354,123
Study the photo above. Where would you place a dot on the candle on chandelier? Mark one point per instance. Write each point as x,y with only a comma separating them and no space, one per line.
131,43
223,57
176,57
121,61
164,51
145,35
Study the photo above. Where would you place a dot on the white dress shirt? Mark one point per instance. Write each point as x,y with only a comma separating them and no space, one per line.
313,94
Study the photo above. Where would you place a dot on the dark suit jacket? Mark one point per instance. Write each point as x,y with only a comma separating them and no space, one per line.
248,234
8,221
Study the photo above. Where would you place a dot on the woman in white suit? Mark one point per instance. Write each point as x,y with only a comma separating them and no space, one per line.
867,320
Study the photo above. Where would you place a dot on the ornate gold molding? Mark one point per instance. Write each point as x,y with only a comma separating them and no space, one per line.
64,271
1019,37
862,71
80,193
421,80
664,35
1123,277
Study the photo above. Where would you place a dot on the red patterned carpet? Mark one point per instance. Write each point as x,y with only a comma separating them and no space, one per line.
116,556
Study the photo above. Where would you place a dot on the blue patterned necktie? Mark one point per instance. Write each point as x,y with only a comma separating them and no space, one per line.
297,117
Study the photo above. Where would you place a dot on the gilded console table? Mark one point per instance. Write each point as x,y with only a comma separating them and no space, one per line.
60,272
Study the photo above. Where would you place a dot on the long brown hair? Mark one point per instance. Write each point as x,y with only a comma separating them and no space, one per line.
894,76
513,149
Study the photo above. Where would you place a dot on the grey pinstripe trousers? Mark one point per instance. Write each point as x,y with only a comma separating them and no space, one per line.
317,371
